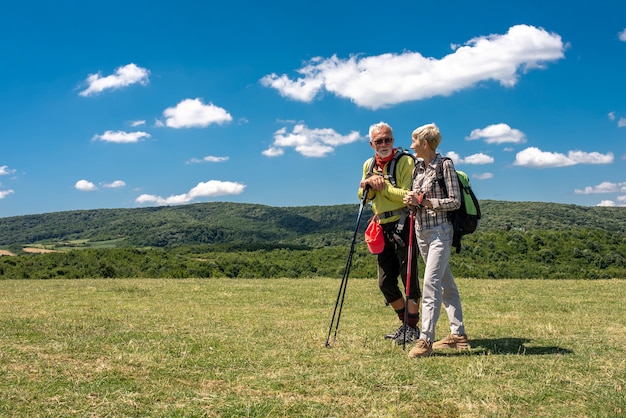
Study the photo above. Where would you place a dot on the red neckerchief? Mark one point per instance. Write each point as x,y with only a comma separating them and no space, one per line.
381,162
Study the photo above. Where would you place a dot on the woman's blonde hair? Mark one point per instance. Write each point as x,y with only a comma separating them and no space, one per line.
430,133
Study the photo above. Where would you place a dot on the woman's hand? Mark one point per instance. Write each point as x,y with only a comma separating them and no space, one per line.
413,198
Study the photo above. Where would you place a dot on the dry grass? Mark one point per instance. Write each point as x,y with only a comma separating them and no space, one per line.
231,348
35,250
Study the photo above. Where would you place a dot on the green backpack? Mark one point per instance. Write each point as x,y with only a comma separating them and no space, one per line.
466,218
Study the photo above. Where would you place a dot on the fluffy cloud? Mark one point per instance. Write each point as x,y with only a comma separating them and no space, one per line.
622,35
479,158
606,203
114,185
483,176
5,170
535,158
5,193
500,133
85,186
123,77
384,80
210,188
309,142
192,113
604,187
121,137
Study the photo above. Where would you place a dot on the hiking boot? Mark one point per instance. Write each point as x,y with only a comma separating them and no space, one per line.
422,348
395,334
452,341
412,334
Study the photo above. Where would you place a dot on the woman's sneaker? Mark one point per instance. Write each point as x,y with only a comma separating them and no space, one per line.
422,348
452,341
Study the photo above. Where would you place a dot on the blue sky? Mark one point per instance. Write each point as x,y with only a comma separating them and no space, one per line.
144,103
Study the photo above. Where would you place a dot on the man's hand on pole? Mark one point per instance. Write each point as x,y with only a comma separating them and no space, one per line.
376,182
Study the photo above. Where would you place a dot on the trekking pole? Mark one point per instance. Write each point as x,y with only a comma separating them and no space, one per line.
409,263
344,280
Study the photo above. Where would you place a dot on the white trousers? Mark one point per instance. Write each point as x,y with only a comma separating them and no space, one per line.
435,246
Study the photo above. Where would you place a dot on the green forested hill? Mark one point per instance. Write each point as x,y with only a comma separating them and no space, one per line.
234,223
515,239
203,223
529,216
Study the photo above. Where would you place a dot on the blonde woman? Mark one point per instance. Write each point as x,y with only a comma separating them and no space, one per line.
433,230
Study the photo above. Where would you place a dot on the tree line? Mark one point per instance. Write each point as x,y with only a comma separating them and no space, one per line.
515,240
580,254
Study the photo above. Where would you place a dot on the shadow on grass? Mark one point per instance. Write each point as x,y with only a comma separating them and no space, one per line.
513,346
496,346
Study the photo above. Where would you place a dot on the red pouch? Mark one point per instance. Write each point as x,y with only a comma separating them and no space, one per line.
374,237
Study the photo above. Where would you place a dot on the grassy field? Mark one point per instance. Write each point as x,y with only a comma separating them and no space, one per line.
255,348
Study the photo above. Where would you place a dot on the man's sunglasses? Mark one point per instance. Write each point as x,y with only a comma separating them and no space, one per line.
385,140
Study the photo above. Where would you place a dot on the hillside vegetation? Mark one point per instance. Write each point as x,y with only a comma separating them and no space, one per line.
515,240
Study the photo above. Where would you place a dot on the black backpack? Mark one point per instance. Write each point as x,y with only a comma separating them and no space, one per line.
466,218
391,170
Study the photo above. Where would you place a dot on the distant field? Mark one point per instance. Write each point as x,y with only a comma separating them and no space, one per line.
234,347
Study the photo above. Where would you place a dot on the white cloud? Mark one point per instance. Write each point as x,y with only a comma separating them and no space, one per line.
5,193
384,80
309,142
115,184
5,170
621,122
622,35
208,159
535,158
479,158
611,115
210,188
456,158
606,203
498,134
192,113
137,123
273,152
483,176
121,137
123,77
604,187
85,186
581,157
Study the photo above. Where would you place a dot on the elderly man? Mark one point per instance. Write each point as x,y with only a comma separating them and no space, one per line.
388,177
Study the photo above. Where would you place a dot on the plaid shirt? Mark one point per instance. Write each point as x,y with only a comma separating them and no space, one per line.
426,181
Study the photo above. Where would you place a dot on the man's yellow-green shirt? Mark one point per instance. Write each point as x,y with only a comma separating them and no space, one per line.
390,198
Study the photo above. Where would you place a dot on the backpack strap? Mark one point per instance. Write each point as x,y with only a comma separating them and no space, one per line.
370,167
392,165
442,183
440,179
